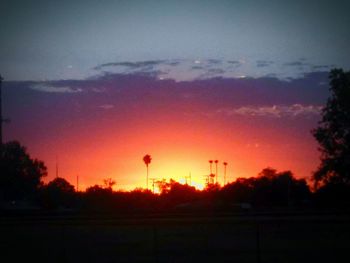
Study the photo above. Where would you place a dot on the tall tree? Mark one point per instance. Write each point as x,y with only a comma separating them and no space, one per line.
147,160
108,183
210,176
58,192
225,166
20,175
333,132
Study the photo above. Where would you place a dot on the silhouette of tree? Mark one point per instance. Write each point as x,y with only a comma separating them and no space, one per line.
163,186
279,188
269,188
147,160
239,191
109,182
98,198
211,166
211,180
175,193
332,195
61,184
141,200
97,189
58,193
212,186
216,171
211,175
333,133
20,174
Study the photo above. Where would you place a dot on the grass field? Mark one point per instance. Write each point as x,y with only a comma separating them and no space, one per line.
262,238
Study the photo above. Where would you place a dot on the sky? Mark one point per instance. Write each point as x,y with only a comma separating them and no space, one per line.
99,84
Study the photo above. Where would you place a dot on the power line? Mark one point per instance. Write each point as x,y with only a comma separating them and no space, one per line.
190,179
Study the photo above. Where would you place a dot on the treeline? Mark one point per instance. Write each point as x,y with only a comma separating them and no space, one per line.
21,177
21,182
269,189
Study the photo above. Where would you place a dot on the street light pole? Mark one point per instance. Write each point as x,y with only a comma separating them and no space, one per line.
1,119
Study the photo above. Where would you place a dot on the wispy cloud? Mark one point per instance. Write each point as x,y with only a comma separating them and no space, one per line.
45,87
275,111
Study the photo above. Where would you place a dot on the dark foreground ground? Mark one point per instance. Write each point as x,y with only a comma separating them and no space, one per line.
176,238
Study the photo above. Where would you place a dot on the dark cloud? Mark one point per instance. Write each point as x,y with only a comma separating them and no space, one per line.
138,94
235,62
150,73
271,75
216,71
211,73
263,63
134,65
299,63
321,67
185,69
197,67
214,61
172,63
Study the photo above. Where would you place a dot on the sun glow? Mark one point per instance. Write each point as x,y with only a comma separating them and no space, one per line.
177,148
197,185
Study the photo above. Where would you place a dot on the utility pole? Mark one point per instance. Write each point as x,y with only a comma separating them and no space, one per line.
1,119
77,183
188,177
206,180
153,181
216,171
56,167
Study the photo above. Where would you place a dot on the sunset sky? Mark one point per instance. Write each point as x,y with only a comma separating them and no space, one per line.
99,84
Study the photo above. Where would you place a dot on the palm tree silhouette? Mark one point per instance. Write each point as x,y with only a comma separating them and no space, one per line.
225,164
212,178
211,166
147,159
216,171
211,171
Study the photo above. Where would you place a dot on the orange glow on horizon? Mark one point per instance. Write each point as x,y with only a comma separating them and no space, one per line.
177,149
